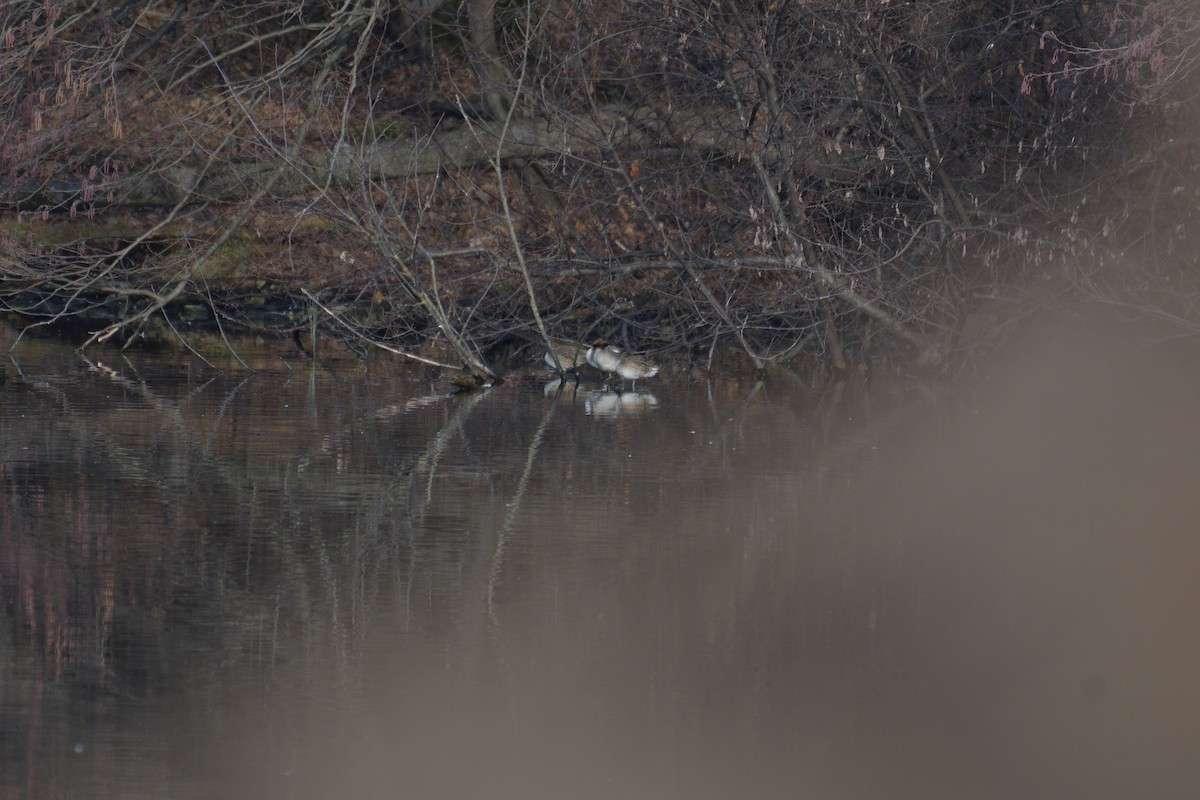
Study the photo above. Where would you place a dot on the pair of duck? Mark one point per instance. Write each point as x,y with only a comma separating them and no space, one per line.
607,358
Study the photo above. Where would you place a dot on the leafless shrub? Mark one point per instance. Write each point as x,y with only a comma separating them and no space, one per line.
783,176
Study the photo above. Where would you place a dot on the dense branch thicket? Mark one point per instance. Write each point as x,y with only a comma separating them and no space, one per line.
784,177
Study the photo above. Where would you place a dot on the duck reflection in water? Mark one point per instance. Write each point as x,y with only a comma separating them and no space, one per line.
562,388
602,403
612,360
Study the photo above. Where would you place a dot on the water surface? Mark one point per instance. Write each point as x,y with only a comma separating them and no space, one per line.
343,582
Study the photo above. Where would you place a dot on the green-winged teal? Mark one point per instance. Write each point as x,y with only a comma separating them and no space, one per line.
571,355
615,361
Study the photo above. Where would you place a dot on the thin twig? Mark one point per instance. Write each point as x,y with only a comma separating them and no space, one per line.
350,329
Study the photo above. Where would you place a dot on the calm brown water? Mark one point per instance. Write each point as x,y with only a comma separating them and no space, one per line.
343,583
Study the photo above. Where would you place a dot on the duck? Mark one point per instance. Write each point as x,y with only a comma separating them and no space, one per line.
566,355
613,360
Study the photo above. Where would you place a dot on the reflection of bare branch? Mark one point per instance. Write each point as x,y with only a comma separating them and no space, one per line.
514,507
427,462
